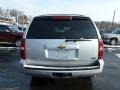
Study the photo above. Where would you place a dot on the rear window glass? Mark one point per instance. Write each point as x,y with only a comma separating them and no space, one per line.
62,29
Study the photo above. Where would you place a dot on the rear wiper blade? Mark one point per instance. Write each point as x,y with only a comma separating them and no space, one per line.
74,40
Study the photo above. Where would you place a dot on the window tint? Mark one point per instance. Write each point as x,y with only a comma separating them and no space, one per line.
1,28
6,29
116,31
62,29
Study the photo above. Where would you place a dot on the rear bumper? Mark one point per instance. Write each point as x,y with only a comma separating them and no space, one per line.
63,72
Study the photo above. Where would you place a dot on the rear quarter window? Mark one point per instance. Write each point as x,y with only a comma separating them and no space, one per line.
62,29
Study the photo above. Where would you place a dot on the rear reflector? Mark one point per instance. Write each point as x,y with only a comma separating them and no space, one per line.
100,49
22,49
62,17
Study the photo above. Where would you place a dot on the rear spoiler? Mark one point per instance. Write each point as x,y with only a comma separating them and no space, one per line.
61,18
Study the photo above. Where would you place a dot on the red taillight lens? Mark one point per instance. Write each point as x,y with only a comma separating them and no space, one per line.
22,49
101,49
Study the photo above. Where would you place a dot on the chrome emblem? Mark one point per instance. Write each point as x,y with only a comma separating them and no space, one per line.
61,46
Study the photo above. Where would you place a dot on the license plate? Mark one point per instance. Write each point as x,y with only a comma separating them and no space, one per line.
62,54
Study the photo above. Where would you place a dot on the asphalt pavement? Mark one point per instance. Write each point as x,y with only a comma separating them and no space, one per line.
12,77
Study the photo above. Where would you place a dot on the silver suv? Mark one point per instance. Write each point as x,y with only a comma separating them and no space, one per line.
112,38
62,46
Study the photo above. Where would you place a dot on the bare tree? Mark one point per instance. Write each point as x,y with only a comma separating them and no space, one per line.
106,25
23,19
30,18
20,17
7,12
1,11
13,12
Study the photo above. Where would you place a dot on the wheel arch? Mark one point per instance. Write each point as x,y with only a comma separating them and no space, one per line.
114,38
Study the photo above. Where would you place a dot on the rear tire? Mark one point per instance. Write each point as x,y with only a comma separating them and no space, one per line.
113,41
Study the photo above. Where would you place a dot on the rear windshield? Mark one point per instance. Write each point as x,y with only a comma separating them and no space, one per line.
62,29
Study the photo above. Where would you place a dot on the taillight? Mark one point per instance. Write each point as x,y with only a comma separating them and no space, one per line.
22,49
101,49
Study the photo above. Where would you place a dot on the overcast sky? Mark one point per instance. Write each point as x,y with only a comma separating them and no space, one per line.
98,10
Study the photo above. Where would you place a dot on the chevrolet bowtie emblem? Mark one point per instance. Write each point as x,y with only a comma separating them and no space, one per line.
61,46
